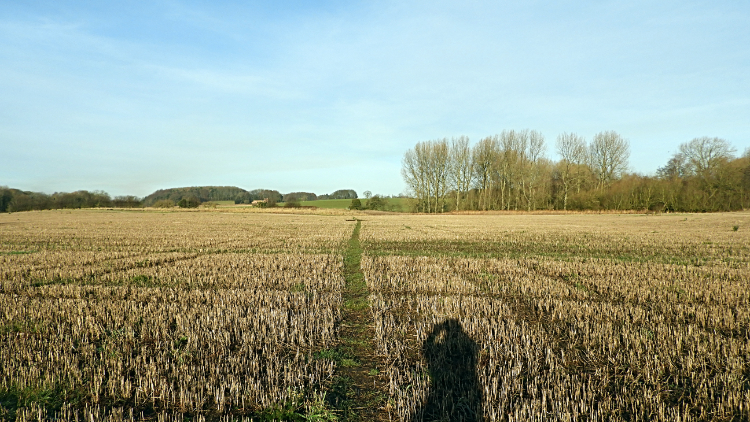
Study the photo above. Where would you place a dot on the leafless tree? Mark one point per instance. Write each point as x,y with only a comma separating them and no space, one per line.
703,155
484,157
508,169
609,156
460,167
532,174
573,151
414,173
425,169
676,168
512,147
517,174
439,170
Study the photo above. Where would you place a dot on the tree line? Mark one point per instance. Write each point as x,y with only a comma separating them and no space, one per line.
509,171
15,200
274,196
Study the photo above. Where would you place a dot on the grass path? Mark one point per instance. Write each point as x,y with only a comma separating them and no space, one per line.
358,390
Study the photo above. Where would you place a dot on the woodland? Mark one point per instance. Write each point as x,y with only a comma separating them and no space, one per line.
509,171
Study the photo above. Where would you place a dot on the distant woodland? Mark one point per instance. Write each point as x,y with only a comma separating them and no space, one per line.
14,200
510,172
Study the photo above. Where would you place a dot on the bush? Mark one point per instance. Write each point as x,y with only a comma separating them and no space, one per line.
243,198
164,203
292,204
189,202
356,204
377,202
127,202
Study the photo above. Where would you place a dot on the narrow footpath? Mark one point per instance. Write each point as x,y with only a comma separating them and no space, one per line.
358,390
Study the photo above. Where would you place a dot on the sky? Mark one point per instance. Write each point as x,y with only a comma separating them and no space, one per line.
129,97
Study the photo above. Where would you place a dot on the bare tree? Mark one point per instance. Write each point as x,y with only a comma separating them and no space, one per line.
508,169
414,174
532,175
484,157
676,168
573,151
460,167
703,155
425,169
439,170
512,147
609,156
518,170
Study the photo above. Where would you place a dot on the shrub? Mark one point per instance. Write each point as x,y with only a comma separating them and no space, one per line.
293,203
189,202
356,204
164,203
377,202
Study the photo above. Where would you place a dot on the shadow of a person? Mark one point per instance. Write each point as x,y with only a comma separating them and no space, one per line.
455,394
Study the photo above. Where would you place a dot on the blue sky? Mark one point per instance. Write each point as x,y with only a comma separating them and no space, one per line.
130,97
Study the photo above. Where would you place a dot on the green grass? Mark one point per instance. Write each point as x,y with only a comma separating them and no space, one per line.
355,280
300,407
325,203
16,252
344,203
357,304
25,326
341,355
514,250
50,396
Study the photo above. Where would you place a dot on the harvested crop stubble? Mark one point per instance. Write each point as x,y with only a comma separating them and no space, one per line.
679,239
158,232
225,270
93,331
182,349
540,338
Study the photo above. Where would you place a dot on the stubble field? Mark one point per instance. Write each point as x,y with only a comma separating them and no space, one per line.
108,315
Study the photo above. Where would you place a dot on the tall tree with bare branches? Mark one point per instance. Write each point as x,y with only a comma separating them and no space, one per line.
460,167
609,154
704,155
573,151
425,170
484,157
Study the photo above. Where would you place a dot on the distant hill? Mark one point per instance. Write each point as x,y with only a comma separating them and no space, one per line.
203,193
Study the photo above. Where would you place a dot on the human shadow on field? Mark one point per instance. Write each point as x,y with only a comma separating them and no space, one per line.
455,394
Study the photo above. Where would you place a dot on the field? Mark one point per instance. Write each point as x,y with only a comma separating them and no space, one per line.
563,317
221,315
398,203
